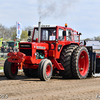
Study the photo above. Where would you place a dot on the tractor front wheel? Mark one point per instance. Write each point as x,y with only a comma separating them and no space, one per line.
45,70
10,70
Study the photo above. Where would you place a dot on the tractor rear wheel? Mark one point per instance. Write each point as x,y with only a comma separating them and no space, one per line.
10,70
31,73
80,62
45,70
65,60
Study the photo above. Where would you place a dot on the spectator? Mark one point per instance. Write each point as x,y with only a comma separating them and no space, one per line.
2,49
11,49
8,49
15,49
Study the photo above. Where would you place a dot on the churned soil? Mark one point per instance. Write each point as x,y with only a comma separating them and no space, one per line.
23,88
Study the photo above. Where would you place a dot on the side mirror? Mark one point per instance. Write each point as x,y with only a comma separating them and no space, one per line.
80,33
29,40
84,42
64,33
29,33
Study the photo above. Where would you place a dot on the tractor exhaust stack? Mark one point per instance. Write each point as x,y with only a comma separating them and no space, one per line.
39,32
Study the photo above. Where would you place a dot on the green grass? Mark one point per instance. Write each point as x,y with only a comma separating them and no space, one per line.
1,68
2,58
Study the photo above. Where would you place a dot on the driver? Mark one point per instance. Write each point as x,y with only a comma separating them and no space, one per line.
53,35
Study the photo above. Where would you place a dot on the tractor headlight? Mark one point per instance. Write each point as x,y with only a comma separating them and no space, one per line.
36,54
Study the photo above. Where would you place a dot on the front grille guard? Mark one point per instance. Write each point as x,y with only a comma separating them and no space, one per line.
16,57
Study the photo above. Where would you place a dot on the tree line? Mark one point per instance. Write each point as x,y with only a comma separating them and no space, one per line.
94,38
10,33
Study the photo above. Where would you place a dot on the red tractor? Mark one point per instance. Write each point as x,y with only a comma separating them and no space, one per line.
52,49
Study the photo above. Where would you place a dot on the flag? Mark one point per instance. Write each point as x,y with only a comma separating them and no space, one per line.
19,30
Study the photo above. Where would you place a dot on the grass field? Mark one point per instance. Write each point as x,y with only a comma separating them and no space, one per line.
1,68
2,58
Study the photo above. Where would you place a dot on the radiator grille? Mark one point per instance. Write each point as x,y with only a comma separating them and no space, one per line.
27,52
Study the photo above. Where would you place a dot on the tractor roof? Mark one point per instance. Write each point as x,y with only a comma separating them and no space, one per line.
54,26
45,26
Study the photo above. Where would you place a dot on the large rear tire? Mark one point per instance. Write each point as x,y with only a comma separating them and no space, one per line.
80,62
65,60
10,70
30,73
45,70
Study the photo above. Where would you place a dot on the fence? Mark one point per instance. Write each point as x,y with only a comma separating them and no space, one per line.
5,51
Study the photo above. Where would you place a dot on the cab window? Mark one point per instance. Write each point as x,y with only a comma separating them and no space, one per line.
60,34
76,37
69,35
47,34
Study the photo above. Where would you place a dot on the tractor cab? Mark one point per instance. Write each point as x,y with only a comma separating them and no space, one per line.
50,33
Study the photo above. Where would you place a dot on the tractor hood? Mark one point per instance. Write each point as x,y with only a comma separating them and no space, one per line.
33,51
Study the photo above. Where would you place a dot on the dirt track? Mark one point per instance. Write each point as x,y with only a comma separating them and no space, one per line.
56,89
2,63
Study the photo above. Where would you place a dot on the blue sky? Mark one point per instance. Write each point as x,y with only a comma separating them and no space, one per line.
82,15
